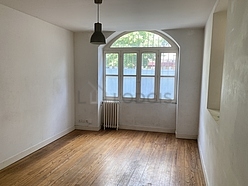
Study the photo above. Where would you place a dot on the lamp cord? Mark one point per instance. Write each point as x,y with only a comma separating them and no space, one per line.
98,13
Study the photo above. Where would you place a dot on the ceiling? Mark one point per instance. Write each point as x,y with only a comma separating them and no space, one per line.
118,15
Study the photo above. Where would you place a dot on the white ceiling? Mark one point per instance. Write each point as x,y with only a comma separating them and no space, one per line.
118,15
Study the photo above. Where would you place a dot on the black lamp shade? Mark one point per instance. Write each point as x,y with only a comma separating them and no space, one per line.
98,37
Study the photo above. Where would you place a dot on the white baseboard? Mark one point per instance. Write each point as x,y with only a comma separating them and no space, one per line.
93,128
203,166
150,129
34,148
186,136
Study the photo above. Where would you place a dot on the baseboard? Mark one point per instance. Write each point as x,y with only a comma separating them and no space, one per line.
30,150
186,136
203,166
150,129
79,127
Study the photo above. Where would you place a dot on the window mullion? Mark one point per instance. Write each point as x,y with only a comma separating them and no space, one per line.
176,76
168,76
157,79
104,75
120,75
138,80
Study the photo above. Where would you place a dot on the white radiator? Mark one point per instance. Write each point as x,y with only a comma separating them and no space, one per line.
111,114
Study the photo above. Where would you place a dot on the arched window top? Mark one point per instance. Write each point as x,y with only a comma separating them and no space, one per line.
140,39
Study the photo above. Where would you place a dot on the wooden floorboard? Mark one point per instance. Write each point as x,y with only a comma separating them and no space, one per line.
109,158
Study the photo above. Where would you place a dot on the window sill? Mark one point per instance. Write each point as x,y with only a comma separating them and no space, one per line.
145,101
215,114
130,101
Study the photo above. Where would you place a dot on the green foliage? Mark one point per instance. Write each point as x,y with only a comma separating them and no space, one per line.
136,39
140,39
130,60
112,60
148,57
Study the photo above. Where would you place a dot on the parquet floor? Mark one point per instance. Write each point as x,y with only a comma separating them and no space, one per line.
110,158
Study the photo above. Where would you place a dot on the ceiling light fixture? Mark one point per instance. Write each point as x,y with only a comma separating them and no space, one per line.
98,37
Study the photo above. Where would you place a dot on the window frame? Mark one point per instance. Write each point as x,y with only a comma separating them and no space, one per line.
139,50
122,74
104,76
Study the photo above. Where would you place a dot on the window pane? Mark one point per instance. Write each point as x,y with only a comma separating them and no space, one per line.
167,88
111,64
129,87
148,63
111,86
129,63
140,39
147,87
168,64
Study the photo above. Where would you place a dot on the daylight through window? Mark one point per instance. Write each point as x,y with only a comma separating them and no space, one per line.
141,66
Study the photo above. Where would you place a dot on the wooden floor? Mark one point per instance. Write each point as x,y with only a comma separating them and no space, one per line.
110,157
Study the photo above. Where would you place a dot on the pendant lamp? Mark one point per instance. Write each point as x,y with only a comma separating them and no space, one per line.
98,37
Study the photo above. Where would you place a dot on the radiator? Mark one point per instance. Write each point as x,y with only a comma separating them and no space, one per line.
111,114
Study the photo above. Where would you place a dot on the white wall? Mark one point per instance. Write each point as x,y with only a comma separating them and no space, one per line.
223,146
191,49
86,81
217,59
36,84
154,117
158,117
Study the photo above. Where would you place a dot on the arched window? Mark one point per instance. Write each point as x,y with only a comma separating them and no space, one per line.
140,66
140,39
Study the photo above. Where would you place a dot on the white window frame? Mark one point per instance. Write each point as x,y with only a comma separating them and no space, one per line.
139,50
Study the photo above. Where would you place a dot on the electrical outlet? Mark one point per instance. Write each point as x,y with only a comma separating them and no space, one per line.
80,121
89,121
